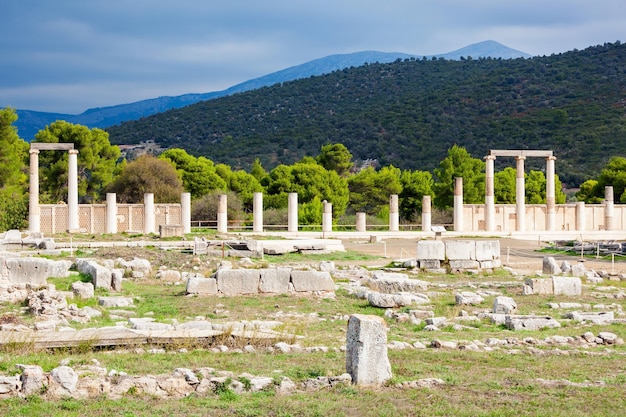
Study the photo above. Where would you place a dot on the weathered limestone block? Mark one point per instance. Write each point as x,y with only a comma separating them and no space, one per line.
462,264
308,281
460,249
430,263
496,263
115,301
530,322
65,377
238,281
275,280
467,298
578,270
550,266
366,350
101,276
32,379
604,317
431,250
380,300
540,286
504,305
9,385
487,250
391,282
201,285
138,268
34,270
571,286
169,275
83,289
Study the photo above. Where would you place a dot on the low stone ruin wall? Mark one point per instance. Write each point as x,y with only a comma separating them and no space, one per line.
21,270
458,255
230,282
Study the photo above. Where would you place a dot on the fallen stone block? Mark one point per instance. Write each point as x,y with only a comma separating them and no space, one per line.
33,270
83,290
530,322
366,350
309,281
238,281
391,282
550,266
571,286
115,301
504,305
487,250
604,317
467,298
430,264
201,285
539,286
431,250
274,281
463,264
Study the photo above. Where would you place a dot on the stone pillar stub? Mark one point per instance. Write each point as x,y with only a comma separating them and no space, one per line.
111,210
490,208
366,350
292,212
550,194
185,215
458,204
520,195
426,213
581,220
34,218
148,213
609,209
257,213
327,217
222,213
394,214
361,219
72,190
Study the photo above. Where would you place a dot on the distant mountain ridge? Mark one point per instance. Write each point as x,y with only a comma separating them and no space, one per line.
30,122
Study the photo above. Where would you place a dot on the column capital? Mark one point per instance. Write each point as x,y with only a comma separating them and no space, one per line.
551,158
490,158
73,151
33,151
520,158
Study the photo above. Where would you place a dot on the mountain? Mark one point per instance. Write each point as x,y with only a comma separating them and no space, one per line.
30,122
409,112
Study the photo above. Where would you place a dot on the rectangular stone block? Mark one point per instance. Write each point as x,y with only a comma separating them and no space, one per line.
430,264
171,230
541,286
275,280
496,263
571,286
238,281
460,249
463,264
366,350
487,250
200,285
307,281
431,250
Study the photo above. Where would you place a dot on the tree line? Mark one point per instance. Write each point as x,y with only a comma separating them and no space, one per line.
330,175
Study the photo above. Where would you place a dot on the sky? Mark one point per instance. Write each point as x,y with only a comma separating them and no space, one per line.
66,56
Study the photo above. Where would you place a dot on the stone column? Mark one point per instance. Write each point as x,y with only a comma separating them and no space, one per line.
361,219
327,217
222,214
148,213
550,194
581,221
111,225
366,350
490,208
609,213
72,190
185,212
292,212
394,215
520,195
426,214
34,218
257,213
458,204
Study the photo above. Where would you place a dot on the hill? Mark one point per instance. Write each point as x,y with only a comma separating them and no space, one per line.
410,112
30,122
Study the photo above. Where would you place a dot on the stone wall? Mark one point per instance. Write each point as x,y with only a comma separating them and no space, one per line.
458,255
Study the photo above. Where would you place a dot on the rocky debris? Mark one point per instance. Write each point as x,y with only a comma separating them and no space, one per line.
115,301
504,305
102,276
51,306
467,298
135,268
83,290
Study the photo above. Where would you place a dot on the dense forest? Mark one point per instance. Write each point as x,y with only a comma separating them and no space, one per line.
409,113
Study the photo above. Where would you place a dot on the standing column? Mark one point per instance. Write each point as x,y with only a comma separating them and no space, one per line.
520,196
608,207
327,217
550,194
257,213
34,218
72,189
111,222
185,212
426,214
458,204
580,216
148,213
292,212
490,208
394,215
361,222
222,214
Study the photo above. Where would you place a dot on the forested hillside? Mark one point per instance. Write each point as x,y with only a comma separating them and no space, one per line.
409,113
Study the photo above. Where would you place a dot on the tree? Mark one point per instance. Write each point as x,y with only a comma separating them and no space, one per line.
308,179
415,185
536,188
97,162
614,174
148,174
198,174
459,163
589,192
257,170
336,157
240,182
13,184
504,186
370,189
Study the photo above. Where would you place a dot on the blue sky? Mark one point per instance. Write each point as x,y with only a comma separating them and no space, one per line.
70,55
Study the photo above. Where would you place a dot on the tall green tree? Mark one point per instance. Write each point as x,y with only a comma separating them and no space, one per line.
336,157
613,174
415,185
504,186
13,179
97,162
459,163
370,189
535,188
199,175
241,183
147,174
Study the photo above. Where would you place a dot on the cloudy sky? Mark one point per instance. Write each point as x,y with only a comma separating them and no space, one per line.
70,55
